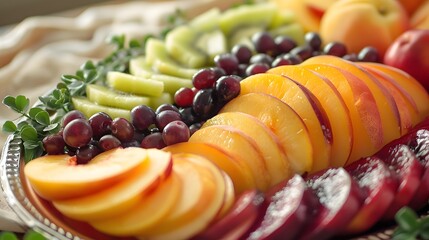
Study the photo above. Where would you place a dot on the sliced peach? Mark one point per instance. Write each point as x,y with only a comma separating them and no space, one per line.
302,102
268,143
119,198
57,177
203,190
238,171
335,108
406,81
238,144
283,121
147,213
408,112
229,198
363,110
386,104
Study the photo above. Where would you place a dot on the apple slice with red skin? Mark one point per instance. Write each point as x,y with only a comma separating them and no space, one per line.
288,211
340,200
379,184
247,209
409,171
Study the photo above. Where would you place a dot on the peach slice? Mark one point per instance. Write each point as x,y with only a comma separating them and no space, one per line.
282,120
238,171
201,198
362,108
57,177
408,112
268,143
300,100
148,212
334,106
238,144
386,104
119,198
411,85
229,198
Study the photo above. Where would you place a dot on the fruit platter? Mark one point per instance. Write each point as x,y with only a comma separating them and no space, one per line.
279,119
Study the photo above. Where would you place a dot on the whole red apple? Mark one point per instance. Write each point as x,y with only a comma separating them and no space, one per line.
410,52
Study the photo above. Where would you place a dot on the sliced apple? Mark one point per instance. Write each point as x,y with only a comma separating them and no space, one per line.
283,121
147,213
379,184
288,211
385,103
361,105
247,210
119,198
411,85
240,145
201,198
238,170
302,102
57,177
335,108
268,143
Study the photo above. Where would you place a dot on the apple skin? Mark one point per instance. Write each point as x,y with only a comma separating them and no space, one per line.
410,53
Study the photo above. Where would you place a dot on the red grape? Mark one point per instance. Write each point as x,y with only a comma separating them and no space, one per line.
54,144
77,133
165,117
72,115
86,153
227,61
153,140
142,117
184,97
108,142
122,129
175,132
100,124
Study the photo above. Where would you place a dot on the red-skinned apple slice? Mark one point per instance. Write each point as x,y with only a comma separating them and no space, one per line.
57,177
289,208
379,184
409,171
120,197
247,209
340,197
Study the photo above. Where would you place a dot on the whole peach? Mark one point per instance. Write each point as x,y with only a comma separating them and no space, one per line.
361,23
410,52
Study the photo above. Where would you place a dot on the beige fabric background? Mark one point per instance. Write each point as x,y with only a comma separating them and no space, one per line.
37,51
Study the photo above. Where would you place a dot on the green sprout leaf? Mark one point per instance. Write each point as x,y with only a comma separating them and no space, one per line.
9,127
29,133
8,236
43,118
22,103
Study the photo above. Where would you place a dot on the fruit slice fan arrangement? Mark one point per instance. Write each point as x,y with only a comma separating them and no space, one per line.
281,139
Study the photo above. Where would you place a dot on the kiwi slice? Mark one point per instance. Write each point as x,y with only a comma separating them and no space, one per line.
89,108
107,97
132,84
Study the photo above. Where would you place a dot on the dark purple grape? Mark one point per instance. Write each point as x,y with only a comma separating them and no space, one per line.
295,59
108,142
142,117
184,97
335,49
100,124
188,115
72,115
242,69
284,44
227,88
175,132
77,133
204,104
242,52
86,153
261,58
281,61
369,54
166,106
227,61
132,143
153,140
256,68
165,117
122,129
313,40
204,78
304,52
194,127
219,72
54,144
264,43
351,57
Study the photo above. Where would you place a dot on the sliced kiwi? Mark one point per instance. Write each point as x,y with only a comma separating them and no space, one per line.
212,43
132,84
207,21
105,96
89,108
158,57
